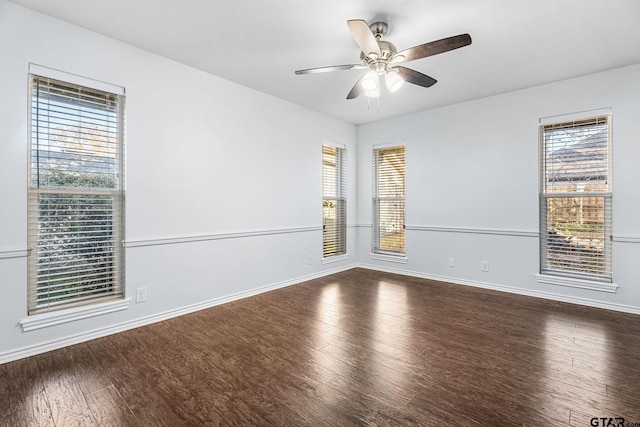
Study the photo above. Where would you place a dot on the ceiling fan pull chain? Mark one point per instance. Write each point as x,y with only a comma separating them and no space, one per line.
369,102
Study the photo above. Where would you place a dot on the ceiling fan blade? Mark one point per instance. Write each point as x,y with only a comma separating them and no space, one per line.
435,47
415,77
364,37
331,68
357,88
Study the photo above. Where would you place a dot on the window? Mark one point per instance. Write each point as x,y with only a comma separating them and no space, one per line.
334,202
575,200
75,195
388,201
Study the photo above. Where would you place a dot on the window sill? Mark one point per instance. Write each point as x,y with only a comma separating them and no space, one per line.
44,320
392,258
335,258
576,283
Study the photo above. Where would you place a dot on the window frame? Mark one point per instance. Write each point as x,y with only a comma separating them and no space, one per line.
377,250
334,190
113,298
582,275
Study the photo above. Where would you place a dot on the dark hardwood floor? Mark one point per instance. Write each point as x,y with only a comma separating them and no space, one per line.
356,348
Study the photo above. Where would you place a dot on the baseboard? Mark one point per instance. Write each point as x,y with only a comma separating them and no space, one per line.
510,289
124,326
147,320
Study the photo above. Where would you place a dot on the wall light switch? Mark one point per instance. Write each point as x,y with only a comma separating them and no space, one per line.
141,294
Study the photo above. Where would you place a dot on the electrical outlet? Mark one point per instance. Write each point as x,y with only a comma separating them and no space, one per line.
310,259
484,266
141,295
452,262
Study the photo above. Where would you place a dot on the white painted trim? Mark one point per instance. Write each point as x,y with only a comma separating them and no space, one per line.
388,145
136,323
14,253
135,243
626,239
391,258
336,258
335,144
510,289
473,230
580,115
576,283
490,231
44,320
52,73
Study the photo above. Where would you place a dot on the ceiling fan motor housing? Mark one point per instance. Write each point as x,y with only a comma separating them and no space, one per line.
379,63
379,29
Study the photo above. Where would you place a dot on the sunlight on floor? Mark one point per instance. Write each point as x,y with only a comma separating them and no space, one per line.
570,365
390,329
329,311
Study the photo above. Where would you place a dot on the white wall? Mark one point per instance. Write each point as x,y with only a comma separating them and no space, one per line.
205,158
472,186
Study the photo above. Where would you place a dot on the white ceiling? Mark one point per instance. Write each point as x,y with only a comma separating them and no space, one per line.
259,43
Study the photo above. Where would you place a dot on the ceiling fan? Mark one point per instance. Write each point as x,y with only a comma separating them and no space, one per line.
383,60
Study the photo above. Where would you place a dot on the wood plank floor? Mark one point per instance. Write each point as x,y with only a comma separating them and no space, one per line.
355,348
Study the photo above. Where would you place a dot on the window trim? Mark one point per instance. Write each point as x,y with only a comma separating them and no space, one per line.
335,258
76,79
376,252
572,282
341,199
566,277
101,304
52,318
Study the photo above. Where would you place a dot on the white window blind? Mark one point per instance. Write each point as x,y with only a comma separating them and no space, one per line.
334,202
389,200
75,195
575,200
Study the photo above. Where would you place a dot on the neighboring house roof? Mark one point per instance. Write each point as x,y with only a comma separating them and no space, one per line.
582,161
74,162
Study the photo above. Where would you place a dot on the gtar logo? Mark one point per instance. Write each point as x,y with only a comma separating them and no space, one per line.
607,422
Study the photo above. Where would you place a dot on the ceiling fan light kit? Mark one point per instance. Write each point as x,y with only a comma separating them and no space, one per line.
393,80
373,93
382,59
370,81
